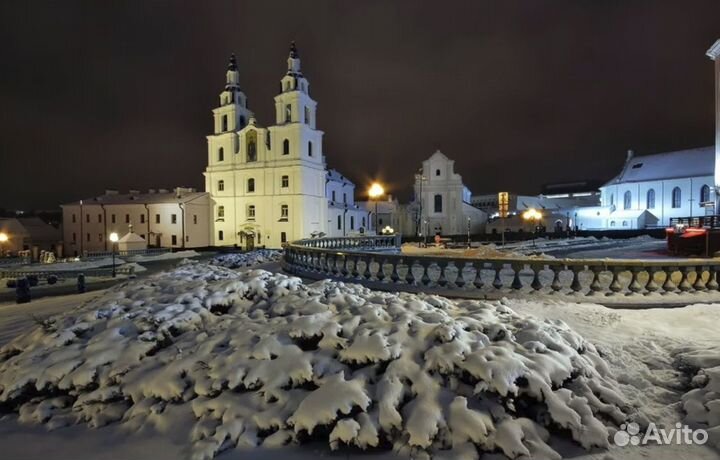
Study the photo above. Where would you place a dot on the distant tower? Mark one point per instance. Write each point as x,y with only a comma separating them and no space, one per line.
714,54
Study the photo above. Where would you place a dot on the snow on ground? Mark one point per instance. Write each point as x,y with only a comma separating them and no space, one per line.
164,256
255,359
247,259
73,266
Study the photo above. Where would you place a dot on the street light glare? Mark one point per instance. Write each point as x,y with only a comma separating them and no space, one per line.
532,214
376,190
3,237
114,237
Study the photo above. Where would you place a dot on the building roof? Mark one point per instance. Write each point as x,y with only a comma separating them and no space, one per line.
131,237
670,165
335,175
179,195
32,227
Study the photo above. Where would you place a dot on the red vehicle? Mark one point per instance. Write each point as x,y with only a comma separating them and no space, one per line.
698,236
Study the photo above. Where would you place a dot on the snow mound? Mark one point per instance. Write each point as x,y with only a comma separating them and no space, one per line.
247,259
702,403
259,359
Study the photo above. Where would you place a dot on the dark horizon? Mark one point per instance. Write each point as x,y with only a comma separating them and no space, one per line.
519,94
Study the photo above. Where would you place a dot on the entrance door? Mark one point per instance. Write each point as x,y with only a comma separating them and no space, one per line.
250,242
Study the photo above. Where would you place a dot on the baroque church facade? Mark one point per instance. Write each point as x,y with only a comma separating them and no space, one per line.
270,185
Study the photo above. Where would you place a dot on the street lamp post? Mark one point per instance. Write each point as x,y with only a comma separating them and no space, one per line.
468,231
113,239
3,240
375,192
534,216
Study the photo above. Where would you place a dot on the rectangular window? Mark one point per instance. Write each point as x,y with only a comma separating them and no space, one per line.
285,182
100,237
221,185
187,238
220,235
221,212
339,222
251,211
142,218
99,218
194,219
73,218
352,222
174,240
74,238
284,212
173,218
157,218
112,218
87,218
283,237
127,218
88,238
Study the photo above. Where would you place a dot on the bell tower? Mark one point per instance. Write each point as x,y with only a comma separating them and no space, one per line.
714,54
232,114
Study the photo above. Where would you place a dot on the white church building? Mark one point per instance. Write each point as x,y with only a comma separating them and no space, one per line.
270,185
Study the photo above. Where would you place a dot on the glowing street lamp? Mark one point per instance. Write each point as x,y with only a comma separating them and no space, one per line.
534,216
375,192
113,239
3,240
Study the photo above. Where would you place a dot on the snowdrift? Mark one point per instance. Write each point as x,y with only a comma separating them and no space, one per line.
702,404
259,359
247,259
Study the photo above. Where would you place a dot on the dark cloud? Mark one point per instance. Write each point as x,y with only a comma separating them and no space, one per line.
519,93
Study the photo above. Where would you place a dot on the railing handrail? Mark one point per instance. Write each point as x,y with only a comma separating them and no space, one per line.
356,259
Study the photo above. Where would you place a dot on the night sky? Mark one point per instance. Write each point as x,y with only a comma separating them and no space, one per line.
97,95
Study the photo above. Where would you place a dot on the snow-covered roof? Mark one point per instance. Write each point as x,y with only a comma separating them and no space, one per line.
628,213
131,237
670,165
141,198
335,175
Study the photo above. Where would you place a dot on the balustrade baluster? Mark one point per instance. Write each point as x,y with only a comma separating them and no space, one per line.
442,281
460,279
575,285
367,273
497,282
651,285
395,276
634,287
425,280
536,284
355,273
712,283
409,277
556,286
685,285
699,284
380,272
668,285
615,285
477,281
516,283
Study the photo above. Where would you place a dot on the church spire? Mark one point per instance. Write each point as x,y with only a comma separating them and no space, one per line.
294,61
232,65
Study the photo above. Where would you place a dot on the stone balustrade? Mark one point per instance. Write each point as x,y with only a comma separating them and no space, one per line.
367,260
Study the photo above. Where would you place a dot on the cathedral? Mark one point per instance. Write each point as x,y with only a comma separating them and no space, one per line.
270,185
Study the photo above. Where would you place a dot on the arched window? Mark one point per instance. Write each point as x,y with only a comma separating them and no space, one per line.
438,203
221,185
339,222
286,147
242,121
267,139
437,172
221,154
307,115
650,204
676,197
224,123
221,212
288,113
704,194
612,199
627,200
309,148
251,185
352,222
251,146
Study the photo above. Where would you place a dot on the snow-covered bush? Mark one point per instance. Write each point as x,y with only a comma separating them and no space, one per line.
247,259
702,403
259,359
